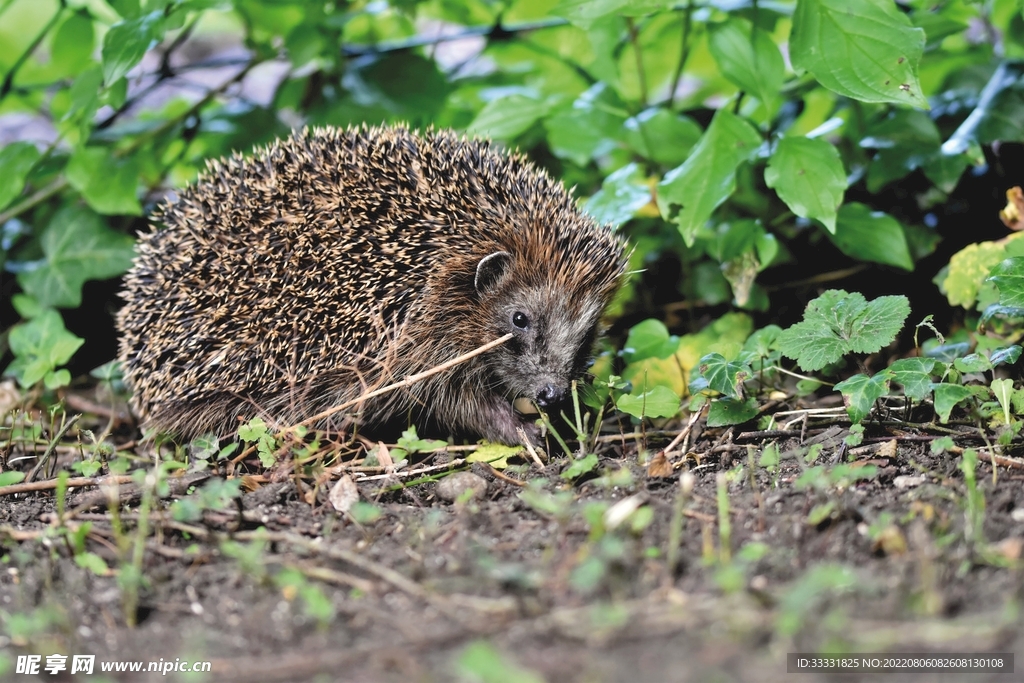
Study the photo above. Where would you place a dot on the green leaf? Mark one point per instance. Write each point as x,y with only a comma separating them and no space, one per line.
584,13
690,193
837,323
109,185
77,246
649,339
947,396
412,443
1002,389
579,467
914,375
972,362
723,376
871,236
507,117
480,661
127,42
748,57
93,562
660,401
16,160
589,127
71,51
662,135
1008,355
728,411
864,49
904,140
968,269
11,477
365,513
1008,276
622,194
860,393
808,175
253,430
39,347
85,100
494,453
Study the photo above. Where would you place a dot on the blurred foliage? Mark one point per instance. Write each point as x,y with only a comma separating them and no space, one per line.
717,132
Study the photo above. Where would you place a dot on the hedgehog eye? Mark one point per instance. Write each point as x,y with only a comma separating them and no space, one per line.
520,320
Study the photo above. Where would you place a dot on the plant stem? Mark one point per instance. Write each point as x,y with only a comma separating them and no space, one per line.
641,75
684,53
8,83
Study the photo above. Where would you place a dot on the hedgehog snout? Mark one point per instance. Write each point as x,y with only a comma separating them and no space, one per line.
550,395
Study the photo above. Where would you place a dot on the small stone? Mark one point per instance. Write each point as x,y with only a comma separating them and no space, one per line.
454,486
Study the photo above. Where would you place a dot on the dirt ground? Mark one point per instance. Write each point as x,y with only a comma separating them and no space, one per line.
838,549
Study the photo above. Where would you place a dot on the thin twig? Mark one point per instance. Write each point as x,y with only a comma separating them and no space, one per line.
410,380
68,424
74,482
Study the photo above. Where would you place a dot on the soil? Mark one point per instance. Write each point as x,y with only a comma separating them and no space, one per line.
539,571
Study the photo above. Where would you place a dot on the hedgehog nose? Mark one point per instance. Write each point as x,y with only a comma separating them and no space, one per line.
549,395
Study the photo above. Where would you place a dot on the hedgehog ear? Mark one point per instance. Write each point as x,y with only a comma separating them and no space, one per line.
491,270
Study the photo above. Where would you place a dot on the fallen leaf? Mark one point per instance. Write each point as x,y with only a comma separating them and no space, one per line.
1013,215
343,494
659,466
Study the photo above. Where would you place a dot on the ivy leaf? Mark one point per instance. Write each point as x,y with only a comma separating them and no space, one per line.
1008,276
860,393
107,184
749,58
16,160
871,236
837,323
39,347
947,396
127,42
914,375
808,175
723,376
77,246
729,411
659,401
691,192
972,362
507,117
622,194
1008,354
864,49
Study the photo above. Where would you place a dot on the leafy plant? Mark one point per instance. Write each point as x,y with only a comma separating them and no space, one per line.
838,323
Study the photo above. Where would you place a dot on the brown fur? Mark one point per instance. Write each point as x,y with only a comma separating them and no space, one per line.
335,261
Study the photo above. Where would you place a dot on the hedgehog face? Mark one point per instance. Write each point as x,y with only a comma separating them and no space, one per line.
553,333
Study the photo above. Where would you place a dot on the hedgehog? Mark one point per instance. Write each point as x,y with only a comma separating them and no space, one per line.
337,261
